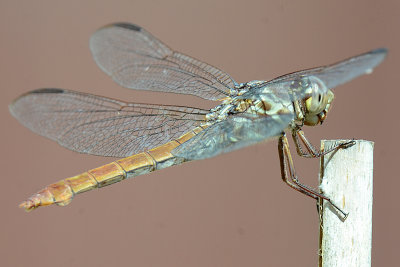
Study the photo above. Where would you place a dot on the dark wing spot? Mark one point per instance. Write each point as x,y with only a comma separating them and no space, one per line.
379,51
47,91
128,26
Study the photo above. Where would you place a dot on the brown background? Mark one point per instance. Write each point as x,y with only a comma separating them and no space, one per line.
232,210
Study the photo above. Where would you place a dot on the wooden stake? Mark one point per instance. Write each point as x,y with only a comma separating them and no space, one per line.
346,178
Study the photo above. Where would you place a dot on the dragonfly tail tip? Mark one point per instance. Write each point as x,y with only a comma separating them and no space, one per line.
28,205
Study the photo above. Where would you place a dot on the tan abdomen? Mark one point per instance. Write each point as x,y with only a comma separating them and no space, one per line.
62,192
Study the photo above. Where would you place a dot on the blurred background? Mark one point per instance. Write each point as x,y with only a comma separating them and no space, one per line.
232,210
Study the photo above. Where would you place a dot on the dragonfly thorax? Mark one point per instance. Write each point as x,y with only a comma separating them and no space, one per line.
258,107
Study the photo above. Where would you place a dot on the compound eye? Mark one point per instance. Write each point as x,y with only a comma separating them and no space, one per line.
314,104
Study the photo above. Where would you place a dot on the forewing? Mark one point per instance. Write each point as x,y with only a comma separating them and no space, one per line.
331,76
135,59
231,134
343,71
101,126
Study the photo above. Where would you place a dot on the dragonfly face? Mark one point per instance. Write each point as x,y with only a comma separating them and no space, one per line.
316,103
153,136
317,107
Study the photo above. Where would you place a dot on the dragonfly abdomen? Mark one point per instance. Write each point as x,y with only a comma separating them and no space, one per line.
62,192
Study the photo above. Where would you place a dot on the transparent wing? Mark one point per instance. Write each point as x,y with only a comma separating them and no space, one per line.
231,134
135,59
297,83
340,72
101,126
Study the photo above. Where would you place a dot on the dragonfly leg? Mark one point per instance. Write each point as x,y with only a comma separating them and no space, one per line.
312,152
287,166
290,178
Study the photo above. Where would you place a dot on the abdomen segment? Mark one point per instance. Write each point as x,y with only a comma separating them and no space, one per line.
62,192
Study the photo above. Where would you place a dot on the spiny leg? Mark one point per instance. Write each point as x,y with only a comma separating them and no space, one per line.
312,152
287,166
286,163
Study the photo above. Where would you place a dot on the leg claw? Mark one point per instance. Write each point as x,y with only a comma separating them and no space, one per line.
347,144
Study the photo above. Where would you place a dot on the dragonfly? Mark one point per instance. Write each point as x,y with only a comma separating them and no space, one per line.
151,137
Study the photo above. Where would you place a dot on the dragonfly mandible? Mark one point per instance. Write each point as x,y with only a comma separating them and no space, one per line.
153,137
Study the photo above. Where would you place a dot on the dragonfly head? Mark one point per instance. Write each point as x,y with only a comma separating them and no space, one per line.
316,107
